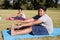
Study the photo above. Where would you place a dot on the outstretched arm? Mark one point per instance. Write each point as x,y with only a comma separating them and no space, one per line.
31,23
28,20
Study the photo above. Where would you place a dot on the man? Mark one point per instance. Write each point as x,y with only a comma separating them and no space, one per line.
41,24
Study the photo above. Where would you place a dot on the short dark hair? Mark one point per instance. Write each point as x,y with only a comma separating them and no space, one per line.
20,9
42,7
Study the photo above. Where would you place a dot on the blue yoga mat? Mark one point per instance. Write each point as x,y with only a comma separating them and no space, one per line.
6,35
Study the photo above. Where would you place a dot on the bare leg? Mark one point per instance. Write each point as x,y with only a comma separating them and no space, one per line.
24,31
12,18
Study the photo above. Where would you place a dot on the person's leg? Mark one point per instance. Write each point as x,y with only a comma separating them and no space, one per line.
39,30
17,32
11,18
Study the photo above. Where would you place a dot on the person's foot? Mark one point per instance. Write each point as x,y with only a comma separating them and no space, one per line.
13,33
12,30
12,26
11,18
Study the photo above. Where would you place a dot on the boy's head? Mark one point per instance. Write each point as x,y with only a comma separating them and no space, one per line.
41,10
20,10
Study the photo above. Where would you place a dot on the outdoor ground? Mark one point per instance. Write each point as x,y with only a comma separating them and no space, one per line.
53,13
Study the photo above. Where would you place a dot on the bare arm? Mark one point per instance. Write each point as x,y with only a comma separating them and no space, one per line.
32,23
15,14
28,20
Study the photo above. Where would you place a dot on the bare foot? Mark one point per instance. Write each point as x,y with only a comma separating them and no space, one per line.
12,26
13,33
12,30
12,18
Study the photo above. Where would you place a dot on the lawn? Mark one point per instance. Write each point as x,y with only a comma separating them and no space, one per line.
53,13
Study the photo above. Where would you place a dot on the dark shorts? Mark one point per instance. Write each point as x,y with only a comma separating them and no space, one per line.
36,30
39,30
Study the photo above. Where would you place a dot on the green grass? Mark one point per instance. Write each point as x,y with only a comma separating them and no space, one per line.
53,13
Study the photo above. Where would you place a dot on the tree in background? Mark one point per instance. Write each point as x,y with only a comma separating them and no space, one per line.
51,3
6,4
16,4
37,3
56,3
29,4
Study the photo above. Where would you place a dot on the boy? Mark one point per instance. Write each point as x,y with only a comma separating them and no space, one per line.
41,24
20,16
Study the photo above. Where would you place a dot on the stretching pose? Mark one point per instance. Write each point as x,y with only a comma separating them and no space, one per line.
19,16
41,24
